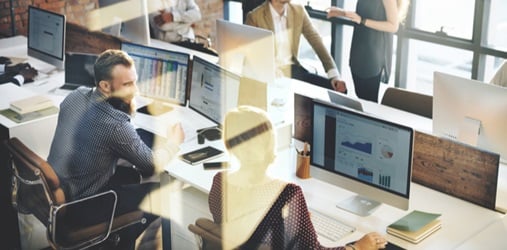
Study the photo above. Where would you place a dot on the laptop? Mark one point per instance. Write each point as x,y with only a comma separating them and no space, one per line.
343,100
79,70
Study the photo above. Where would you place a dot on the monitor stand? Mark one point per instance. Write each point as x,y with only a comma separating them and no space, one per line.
359,205
469,131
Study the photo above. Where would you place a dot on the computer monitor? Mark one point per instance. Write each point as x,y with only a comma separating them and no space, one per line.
213,89
246,50
364,154
470,111
162,74
46,37
127,19
342,99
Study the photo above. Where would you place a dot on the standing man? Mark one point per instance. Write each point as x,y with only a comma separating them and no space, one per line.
288,22
94,132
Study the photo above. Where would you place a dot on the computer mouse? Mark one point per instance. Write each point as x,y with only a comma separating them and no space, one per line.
212,134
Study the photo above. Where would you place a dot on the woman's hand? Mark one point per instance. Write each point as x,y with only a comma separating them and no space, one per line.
335,12
354,17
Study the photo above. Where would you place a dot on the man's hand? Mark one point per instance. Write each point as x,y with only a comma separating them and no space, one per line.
163,17
5,60
339,85
16,69
28,73
176,134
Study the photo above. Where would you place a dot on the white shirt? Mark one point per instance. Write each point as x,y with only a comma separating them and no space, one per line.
282,37
185,13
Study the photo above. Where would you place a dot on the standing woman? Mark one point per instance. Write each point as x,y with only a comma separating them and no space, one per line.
372,42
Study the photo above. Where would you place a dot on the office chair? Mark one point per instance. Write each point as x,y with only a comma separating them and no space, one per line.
500,77
36,190
416,103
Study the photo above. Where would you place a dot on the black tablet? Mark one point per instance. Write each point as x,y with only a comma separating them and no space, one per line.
199,155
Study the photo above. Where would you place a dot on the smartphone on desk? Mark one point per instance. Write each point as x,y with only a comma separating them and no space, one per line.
215,165
200,155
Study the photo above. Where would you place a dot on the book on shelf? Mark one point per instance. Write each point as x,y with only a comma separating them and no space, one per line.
415,226
31,104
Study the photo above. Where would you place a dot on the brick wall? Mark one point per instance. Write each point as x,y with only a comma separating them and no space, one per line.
75,11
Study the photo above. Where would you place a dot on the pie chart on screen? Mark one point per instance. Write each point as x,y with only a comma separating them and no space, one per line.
387,151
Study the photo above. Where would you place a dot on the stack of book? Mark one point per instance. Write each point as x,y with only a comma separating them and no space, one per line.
415,226
30,108
31,104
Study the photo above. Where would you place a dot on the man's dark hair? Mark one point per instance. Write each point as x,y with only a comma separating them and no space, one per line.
106,62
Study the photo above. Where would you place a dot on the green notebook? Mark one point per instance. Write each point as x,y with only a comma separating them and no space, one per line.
415,226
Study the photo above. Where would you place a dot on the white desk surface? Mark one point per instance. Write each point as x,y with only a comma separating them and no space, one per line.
462,222
493,237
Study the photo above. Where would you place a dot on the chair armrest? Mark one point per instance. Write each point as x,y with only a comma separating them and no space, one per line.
65,232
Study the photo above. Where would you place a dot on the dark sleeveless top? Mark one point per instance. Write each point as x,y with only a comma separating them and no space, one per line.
371,50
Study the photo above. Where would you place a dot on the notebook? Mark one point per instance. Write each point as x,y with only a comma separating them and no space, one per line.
415,226
79,70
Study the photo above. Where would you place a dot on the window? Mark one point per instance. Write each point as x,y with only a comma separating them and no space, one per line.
451,17
462,37
424,58
497,25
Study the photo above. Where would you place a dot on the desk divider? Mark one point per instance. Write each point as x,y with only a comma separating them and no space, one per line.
456,169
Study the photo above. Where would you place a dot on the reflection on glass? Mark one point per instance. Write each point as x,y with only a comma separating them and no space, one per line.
454,17
425,58
497,28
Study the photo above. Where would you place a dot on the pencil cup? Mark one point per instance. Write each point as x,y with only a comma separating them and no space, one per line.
303,166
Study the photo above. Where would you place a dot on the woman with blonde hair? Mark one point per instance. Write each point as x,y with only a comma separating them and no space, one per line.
372,42
255,210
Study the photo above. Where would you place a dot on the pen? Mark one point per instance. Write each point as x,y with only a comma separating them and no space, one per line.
305,149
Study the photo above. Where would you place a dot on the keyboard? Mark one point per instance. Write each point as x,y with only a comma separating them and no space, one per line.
328,227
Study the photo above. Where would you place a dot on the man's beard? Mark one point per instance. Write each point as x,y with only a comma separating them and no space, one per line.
118,101
120,104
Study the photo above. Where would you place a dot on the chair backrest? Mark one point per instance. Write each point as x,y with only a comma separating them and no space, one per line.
37,191
500,77
36,186
409,101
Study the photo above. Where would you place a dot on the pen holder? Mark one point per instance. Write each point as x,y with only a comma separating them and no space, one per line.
303,166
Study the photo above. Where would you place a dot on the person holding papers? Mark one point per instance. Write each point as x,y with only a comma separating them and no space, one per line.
173,22
94,131
254,209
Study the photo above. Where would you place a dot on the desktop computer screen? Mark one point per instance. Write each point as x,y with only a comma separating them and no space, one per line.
213,90
470,111
162,74
246,50
46,36
366,155
127,19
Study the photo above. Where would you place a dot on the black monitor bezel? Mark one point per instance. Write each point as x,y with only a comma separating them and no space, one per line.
215,66
376,119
